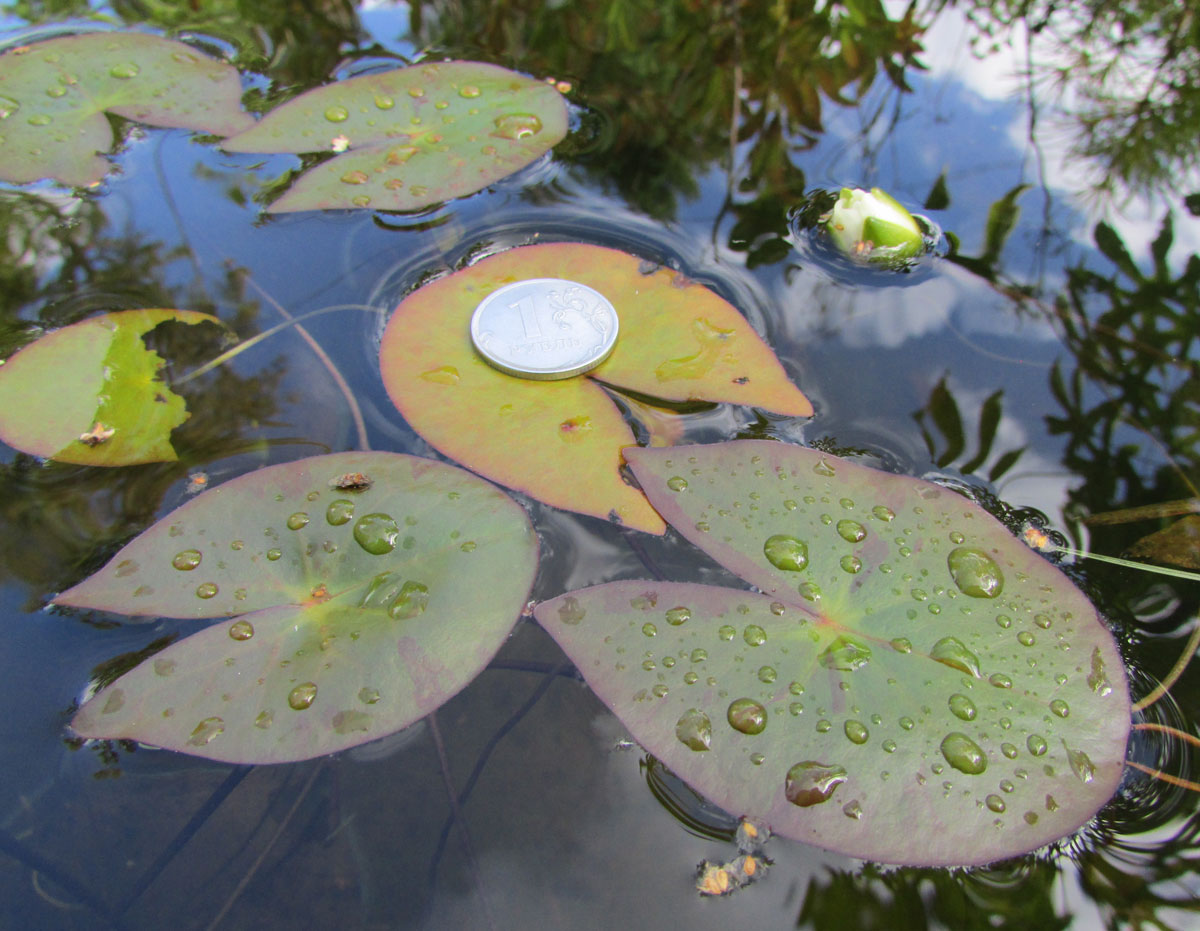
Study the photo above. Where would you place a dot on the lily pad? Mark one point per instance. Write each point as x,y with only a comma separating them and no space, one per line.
371,588
90,393
908,684
411,137
561,441
54,94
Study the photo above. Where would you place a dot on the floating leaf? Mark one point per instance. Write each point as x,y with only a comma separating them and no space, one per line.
411,137
364,606
561,441
913,685
53,96
90,393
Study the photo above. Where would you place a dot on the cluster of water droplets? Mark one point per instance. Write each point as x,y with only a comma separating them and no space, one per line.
996,741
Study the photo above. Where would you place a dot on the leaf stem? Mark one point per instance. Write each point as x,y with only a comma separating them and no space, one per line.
1165,777
1167,729
1176,671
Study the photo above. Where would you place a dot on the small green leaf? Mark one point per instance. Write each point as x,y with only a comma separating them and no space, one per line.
90,393
908,683
371,587
411,137
54,94
561,441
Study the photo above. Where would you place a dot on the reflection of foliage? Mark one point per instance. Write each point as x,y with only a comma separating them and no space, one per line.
1125,72
1012,896
943,413
683,82
1134,337
1001,221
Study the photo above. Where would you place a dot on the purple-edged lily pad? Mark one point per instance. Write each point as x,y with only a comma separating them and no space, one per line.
54,94
411,137
909,683
362,591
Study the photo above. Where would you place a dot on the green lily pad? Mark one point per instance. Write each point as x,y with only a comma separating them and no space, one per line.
561,441
909,684
371,588
53,96
411,137
90,393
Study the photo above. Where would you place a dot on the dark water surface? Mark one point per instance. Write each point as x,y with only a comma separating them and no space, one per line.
1030,360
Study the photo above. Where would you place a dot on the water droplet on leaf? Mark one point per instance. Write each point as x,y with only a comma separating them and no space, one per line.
810,783
975,572
964,754
694,730
747,715
787,553
302,696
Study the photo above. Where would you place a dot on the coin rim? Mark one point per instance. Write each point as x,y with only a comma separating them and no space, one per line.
542,374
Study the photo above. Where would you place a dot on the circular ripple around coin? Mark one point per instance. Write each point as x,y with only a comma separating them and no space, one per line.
545,328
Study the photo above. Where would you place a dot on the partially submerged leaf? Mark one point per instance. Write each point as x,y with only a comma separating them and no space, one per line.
561,441
913,685
54,94
90,393
411,137
362,609
1177,544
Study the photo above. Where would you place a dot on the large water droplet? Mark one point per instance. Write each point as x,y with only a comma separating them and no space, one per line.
883,512
302,695
754,635
962,707
206,590
953,652
517,126
846,654
694,729
851,564
824,467
337,114
125,70
995,803
680,614
411,601
469,91
241,630
8,107
206,730
747,715
1060,708
297,521
677,483
851,531
1037,744
964,754
186,560
810,783
787,553
340,511
975,572
1001,680
856,731
376,533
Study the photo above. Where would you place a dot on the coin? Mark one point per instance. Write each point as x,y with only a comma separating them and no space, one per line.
544,328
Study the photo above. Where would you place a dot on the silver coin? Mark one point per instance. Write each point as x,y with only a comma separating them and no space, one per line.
544,328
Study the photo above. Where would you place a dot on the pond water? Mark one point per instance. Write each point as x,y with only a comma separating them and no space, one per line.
1043,359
